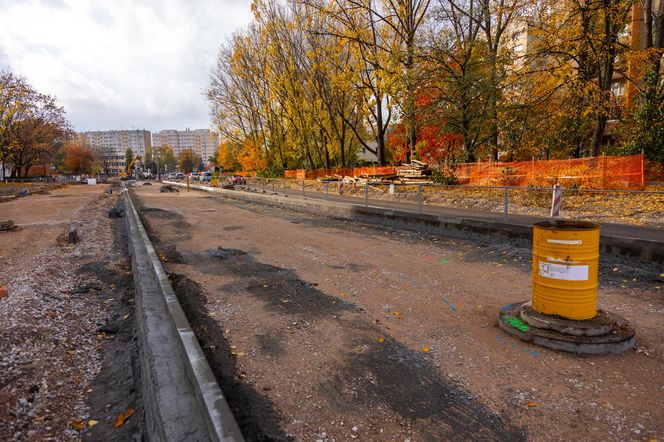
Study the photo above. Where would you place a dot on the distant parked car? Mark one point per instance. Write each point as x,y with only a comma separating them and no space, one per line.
146,174
205,177
171,176
194,176
179,176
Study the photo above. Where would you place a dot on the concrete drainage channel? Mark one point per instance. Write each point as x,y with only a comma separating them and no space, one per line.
182,399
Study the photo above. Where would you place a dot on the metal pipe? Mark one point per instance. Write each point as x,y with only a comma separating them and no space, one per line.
419,198
366,194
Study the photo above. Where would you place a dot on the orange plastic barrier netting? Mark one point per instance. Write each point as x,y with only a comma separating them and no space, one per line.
302,174
605,172
626,172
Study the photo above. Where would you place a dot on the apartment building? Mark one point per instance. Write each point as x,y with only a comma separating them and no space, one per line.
110,146
203,142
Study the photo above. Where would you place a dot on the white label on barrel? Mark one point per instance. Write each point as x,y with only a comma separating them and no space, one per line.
565,241
566,273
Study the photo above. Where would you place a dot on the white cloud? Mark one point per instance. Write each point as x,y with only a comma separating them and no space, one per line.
121,63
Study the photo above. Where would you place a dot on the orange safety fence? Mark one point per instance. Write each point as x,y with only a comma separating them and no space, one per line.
604,172
625,172
302,174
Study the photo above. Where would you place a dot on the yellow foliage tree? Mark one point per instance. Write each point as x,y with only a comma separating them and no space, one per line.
250,157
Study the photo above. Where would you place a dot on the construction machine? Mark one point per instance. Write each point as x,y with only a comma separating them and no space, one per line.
137,160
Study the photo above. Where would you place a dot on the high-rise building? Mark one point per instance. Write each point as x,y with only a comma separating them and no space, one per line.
110,146
203,142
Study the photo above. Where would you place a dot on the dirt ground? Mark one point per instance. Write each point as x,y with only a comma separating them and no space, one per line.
322,329
65,325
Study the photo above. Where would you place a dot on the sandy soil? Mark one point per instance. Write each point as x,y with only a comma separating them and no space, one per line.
57,319
321,329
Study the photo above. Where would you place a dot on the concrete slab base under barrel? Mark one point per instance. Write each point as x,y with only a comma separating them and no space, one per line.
609,333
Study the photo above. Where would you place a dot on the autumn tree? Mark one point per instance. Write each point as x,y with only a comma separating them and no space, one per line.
77,158
227,156
164,159
646,126
33,126
189,162
129,156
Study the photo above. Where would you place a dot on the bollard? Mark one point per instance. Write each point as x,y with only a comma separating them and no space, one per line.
327,193
283,186
505,205
273,186
303,188
419,198
366,194
556,200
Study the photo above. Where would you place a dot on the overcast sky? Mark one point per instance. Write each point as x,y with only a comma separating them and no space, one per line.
120,64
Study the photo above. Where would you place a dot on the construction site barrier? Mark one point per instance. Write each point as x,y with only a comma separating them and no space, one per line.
604,172
303,174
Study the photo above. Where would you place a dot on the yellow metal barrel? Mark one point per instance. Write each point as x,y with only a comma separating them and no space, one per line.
565,262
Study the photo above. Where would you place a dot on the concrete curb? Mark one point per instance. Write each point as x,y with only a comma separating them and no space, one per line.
614,245
181,396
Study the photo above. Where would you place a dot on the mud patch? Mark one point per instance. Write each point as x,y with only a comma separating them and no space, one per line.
114,389
362,376
233,228
254,412
172,222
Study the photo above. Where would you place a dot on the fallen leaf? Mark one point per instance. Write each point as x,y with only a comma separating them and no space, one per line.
40,418
78,425
92,423
397,314
89,390
381,339
123,416
240,353
425,349
125,316
532,404
233,347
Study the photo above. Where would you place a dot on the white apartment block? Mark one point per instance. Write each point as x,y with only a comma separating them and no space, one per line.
203,142
112,144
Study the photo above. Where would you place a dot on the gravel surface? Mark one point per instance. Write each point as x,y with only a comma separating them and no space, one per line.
322,329
51,339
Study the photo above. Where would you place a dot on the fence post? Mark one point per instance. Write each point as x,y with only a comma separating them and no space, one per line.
366,194
283,186
273,186
303,187
643,170
419,198
506,205
263,183
556,200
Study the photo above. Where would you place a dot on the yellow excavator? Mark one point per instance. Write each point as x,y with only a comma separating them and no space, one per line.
136,161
